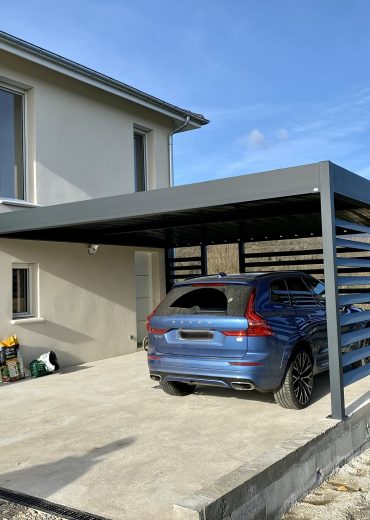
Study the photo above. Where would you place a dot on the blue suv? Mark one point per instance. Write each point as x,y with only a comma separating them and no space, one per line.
257,331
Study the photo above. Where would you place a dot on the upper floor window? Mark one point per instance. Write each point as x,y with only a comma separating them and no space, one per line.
140,161
12,178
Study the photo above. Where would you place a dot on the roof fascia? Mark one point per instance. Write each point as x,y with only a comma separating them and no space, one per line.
254,187
92,78
350,185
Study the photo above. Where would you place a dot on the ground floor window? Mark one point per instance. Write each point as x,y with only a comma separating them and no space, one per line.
23,290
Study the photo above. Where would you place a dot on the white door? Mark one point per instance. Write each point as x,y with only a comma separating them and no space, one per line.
143,291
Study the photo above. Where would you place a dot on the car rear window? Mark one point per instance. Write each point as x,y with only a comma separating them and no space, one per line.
225,300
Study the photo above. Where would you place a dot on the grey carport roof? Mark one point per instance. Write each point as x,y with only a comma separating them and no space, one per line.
282,203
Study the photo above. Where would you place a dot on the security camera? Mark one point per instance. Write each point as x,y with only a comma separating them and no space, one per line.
92,249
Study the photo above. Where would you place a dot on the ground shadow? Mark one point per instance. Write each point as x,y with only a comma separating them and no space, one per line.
43,480
321,389
60,332
321,386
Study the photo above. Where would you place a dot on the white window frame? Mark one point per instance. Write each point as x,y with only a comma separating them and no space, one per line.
144,133
21,92
32,292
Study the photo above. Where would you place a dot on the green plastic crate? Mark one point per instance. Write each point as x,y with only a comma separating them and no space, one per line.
38,369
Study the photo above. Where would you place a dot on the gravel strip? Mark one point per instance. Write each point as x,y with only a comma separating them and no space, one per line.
11,511
345,495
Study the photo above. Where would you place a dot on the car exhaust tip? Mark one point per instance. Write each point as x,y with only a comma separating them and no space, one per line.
155,378
242,386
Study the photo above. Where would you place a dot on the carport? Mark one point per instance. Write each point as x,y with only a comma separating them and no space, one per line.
319,199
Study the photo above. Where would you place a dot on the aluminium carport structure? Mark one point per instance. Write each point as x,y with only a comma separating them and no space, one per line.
319,199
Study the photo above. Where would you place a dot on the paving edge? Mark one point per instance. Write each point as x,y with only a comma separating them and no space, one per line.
46,506
266,487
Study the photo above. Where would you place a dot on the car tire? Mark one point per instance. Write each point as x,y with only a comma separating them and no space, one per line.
145,343
177,388
295,391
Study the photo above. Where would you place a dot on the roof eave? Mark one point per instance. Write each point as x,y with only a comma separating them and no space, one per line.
93,78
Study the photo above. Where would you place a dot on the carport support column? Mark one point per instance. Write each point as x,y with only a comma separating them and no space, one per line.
331,291
169,254
204,259
241,255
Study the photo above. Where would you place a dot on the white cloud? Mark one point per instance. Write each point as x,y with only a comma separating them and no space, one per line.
282,134
256,139
338,130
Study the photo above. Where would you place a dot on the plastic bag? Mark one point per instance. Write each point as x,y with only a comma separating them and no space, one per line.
44,364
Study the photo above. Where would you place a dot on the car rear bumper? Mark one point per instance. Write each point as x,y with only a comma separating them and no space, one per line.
264,376
234,382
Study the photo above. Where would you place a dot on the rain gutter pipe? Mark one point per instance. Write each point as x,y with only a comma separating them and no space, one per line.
170,147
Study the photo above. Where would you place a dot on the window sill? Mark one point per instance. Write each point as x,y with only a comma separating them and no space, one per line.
25,320
17,202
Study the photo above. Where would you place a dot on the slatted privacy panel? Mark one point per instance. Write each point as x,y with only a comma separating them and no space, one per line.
353,265
182,267
293,257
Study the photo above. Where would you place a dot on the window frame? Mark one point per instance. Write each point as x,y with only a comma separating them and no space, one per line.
290,304
21,92
295,305
319,302
31,296
144,134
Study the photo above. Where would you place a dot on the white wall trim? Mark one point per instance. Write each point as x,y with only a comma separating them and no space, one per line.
21,321
18,202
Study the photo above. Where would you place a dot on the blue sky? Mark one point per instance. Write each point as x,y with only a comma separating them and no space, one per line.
284,82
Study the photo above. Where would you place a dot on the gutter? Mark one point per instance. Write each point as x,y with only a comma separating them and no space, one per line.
53,61
170,148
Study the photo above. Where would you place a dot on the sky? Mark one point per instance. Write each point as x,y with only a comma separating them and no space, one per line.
283,82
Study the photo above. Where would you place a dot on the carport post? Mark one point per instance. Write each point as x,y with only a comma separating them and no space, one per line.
331,291
169,254
204,259
241,255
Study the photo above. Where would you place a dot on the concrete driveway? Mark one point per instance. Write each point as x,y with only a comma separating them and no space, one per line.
104,438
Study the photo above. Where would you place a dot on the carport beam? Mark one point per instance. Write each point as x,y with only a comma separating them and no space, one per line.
331,291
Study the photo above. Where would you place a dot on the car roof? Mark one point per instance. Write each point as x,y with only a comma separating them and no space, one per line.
243,277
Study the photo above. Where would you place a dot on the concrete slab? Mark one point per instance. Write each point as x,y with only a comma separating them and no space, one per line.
104,438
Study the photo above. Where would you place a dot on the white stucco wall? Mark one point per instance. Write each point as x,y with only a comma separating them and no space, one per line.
88,302
80,139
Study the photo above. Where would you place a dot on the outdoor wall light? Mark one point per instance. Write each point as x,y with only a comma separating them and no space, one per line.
92,249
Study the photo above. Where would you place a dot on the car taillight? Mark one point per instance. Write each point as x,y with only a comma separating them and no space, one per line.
152,357
152,330
149,328
238,333
257,326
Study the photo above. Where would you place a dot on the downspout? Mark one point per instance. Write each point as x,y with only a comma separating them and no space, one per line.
170,147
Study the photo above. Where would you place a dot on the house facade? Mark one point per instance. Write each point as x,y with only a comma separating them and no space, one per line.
69,134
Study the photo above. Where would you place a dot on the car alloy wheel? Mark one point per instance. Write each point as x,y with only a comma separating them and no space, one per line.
302,377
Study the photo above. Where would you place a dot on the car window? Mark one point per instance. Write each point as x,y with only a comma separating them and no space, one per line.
225,300
279,292
299,292
318,289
